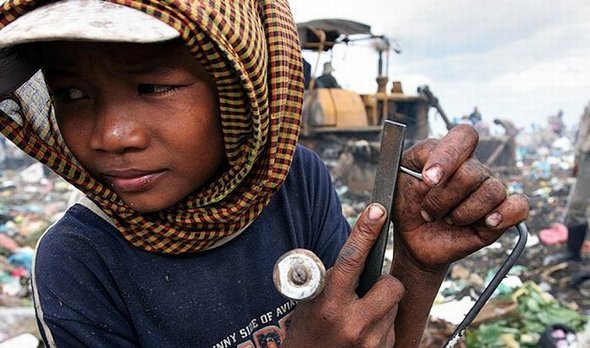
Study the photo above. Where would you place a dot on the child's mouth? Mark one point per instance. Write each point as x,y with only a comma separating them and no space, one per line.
132,181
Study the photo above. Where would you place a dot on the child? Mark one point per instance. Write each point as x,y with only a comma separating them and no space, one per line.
179,121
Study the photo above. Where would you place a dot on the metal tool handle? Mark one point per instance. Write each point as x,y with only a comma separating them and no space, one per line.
392,141
494,283
299,275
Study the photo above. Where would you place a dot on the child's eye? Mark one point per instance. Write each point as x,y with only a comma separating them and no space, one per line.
68,95
154,89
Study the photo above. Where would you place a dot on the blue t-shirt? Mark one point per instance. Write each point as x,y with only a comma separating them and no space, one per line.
92,288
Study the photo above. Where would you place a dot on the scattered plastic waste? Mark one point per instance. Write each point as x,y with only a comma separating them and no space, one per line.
31,198
556,234
529,304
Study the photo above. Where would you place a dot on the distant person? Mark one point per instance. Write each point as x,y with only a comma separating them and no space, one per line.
327,80
475,116
556,123
576,215
476,120
509,143
509,127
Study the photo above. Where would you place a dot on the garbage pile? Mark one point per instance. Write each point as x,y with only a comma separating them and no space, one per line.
31,199
535,305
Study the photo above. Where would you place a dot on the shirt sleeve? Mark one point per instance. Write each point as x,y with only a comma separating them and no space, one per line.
80,304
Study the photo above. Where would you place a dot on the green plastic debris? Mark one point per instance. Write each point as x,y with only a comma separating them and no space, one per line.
536,310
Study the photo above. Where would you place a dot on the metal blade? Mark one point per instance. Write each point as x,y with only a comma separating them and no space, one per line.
392,142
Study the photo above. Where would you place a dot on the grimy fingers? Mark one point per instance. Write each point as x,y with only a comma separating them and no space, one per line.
350,263
479,203
513,210
470,182
452,150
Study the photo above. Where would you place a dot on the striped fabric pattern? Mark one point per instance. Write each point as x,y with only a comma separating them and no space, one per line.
251,49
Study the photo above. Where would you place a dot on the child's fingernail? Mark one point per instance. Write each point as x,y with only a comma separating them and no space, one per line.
494,219
434,174
425,216
375,213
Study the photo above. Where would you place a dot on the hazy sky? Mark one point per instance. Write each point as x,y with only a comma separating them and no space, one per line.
522,60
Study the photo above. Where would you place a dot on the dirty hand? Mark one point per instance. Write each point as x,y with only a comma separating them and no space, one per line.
458,207
337,317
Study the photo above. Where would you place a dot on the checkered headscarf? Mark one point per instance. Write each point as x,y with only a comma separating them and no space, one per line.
251,49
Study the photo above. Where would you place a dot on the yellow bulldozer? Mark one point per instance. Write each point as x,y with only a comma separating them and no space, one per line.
343,126
337,110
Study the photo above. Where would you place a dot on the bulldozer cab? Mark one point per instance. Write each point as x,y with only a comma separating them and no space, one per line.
333,110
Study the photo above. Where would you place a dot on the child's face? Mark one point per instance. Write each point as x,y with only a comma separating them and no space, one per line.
143,119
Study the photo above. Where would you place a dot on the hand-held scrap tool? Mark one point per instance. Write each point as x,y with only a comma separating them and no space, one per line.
297,270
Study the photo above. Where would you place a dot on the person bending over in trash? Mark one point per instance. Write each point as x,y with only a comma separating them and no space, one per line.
179,122
577,211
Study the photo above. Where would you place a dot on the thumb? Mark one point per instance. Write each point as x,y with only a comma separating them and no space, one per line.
351,260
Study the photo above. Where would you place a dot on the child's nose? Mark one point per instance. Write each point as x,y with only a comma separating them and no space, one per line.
118,128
